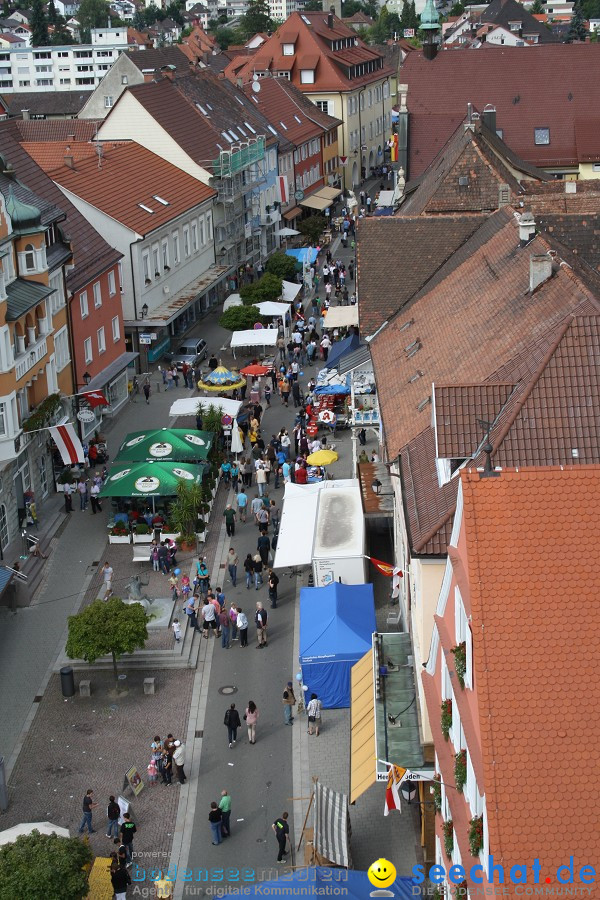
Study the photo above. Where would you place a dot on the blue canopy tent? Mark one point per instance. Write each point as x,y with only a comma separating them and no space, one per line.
303,254
341,348
318,880
336,624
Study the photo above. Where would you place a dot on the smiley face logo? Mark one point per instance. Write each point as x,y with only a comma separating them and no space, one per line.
381,873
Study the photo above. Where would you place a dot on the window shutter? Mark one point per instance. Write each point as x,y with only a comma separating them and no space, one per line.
469,649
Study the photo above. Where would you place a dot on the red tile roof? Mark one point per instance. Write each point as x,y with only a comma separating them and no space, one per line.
111,187
547,86
534,575
280,101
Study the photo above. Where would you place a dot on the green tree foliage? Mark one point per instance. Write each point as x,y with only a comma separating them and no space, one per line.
577,29
139,20
45,865
313,227
349,8
39,25
458,8
51,13
268,287
61,36
313,6
369,7
225,36
5,10
107,628
537,7
256,18
92,14
152,14
239,318
282,265
173,11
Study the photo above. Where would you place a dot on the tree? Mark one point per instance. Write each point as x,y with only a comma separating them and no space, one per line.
413,18
268,287
107,628
577,29
139,20
173,11
225,36
537,7
45,865
39,25
152,14
313,6
282,265
379,31
92,14
256,18
458,8
184,511
61,36
313,227
6,10
239,318
52,14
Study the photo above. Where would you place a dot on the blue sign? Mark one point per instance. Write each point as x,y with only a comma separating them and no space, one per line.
157,351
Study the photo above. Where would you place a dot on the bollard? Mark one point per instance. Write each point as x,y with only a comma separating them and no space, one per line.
67,682
3,788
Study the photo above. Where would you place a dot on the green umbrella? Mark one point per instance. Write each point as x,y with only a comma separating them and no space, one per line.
165,444
149,479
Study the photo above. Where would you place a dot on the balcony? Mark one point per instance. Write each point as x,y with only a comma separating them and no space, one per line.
30,358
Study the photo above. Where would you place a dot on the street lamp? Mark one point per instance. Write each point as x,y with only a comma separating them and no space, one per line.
376,486
86,378
144,310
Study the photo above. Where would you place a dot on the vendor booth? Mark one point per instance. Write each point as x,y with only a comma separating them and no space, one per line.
263,338
336,625
322,526
187,406
341,348
341,317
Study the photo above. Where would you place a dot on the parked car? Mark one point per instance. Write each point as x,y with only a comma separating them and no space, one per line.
190,351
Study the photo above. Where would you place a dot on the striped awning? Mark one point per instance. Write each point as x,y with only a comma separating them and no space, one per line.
332,826
363,754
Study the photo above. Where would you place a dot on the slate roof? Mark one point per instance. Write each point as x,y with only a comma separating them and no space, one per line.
474,315
92,255
280,101
155,59
67,130
48,103
503,12
111,188
456,409
553,86
535,667
396,256
22,296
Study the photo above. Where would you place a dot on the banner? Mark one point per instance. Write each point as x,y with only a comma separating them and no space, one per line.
95,398
68,444
386,568
282,189
392,791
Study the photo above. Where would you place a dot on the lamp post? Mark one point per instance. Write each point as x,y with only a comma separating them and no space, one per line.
86,378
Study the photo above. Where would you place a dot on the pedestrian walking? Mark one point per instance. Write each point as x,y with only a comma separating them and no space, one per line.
94,498
163,558
313,711
232,723
263,546
225,807
167,767
289,701
82,487
260,620
176,631
249,570
282,833
273,581
233,614
258,570
128,831
251,717
67,491
120,881
215,817
229,514
107,577
242,503
225,626
190,610
146,390
112,814
179,760
242,624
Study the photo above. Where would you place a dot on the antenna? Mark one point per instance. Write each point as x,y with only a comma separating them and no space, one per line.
100,153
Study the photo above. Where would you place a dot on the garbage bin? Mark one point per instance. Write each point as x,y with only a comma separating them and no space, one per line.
67,682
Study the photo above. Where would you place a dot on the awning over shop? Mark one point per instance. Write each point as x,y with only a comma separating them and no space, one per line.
363,773
316,202
341,348
187,406
292,213
303,254
332,826
330,193
361,357
168,311
112,370
341,317
290,291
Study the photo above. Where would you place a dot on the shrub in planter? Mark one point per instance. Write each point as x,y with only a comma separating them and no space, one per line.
446,721
187,541
460,770
66,477
476,835
449,837
437,792
119,529
460,662
142,528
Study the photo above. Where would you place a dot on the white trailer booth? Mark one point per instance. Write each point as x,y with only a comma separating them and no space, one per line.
322,526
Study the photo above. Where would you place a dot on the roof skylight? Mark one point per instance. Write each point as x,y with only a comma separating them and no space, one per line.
160,200
145,208
249,127
299,121
239,101
272,130
227,137
202,110
282,125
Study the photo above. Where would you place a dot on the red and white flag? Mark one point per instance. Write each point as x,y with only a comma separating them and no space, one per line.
68,443
392,793
386,568
95,398
282,189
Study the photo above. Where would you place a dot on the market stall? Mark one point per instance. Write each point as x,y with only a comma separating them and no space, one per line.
265,338
166,445
341,317
188,406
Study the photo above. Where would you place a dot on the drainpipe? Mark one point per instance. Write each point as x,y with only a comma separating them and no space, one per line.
135,313
343,153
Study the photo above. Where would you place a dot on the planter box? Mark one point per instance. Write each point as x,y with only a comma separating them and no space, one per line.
201,537
168,536
119,539
143,538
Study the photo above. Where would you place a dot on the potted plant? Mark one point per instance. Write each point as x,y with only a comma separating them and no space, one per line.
65,477
185,511
119,534
186,541
143,534
448,837
460,770
437,792
169,532
476,835
460,662
446,721
200,530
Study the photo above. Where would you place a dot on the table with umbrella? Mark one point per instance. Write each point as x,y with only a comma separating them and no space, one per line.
322,459
221,380
150,479
165,445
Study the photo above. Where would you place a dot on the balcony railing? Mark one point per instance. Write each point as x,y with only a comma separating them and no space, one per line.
30,358
238,157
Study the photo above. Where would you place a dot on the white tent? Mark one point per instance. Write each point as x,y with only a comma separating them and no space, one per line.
232,300
11,834
290,290
186,406
271,308
386,198
254,337
341,316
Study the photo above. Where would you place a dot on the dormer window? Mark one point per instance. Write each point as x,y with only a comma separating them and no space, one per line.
541,136
307,76
288,49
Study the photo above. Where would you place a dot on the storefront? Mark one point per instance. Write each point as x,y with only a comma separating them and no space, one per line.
113,382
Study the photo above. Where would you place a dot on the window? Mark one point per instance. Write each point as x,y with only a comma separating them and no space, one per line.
288,49
61,349
108,102
186,241
97,294
146,265
4,534
176,256
156,260
202,231
116,330
307,76
209,225
541,136
112,288
101,340
195,237
124,79
87,350
83,304
30,258
3,425
165,254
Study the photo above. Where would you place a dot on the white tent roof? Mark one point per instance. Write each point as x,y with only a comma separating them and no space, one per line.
232,300
11,834
290,290
386,198
186,406
299,521
255,337
341,316
270,308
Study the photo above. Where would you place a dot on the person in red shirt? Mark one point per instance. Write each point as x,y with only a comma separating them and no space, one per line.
301,475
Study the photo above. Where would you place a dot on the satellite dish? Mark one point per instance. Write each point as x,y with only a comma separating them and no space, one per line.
255,77
256,87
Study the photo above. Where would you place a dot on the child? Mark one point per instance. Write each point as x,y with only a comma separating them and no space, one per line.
152,771
174,584
154,558
176,631
185,586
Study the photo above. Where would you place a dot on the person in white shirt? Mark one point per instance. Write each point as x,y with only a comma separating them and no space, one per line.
209,618
179,760
242,624
313,711
261,479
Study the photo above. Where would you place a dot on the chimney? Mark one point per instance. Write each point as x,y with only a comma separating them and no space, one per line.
69,161
330,17
526,229
489,117
540,270
469,123
25,114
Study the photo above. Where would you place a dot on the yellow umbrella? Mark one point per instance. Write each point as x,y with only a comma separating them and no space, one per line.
322,458
221,380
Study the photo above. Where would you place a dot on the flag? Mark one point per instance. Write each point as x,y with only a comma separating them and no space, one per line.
68,443
392,792
95,398
282,189
385,568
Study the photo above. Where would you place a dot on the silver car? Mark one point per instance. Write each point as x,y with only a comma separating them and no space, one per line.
191,351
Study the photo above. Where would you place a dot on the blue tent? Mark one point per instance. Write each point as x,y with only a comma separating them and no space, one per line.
336,624
341,348
354,884
303,255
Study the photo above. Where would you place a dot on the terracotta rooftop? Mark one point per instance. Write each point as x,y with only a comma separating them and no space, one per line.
551,87
134,201
281,102
531,552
